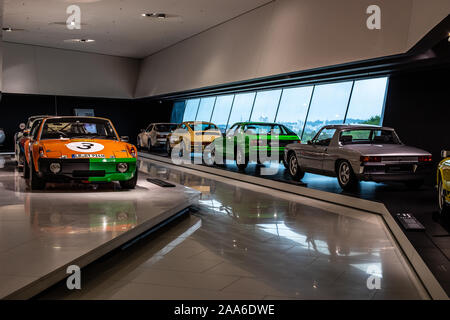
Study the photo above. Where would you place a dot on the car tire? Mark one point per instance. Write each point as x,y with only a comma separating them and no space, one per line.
138,144
241,160
345,175
294,169
36,182
26,170
444,208
131,183
285,164
168,148
209,155
182,149
149,145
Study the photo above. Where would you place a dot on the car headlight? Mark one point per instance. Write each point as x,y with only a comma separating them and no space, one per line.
55,167
122,167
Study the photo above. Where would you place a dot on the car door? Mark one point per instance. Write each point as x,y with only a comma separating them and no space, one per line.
147,135
313,154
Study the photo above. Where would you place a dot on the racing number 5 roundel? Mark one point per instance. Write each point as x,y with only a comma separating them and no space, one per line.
85,146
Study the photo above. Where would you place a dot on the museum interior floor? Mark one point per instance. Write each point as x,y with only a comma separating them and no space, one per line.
250,242
432,244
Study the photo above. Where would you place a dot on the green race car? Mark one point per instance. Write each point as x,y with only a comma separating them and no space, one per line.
245,142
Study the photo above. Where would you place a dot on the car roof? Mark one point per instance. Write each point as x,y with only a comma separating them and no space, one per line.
76,117
259,123
195,122
356,127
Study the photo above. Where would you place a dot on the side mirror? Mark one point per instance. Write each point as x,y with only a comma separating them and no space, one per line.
445,153
125,139
22,126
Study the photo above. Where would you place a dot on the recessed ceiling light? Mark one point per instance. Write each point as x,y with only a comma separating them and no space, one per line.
9,29
80,40
157,15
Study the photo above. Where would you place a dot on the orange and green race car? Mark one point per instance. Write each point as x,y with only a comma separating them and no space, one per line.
84,149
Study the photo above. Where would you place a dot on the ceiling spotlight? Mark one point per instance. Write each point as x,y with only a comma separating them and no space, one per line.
157,15
80,40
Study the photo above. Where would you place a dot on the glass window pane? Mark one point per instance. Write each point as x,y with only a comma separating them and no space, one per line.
241,108
191,109
293,108
178,112
328,106
367,102
222,111
266,105
205,109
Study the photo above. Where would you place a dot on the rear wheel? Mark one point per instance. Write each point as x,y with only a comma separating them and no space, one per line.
444,208
346,177
36,182
294,169
129,184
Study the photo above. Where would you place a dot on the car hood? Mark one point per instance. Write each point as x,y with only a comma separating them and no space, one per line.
70,147
386,150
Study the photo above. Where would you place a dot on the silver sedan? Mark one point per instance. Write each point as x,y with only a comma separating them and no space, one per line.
354,153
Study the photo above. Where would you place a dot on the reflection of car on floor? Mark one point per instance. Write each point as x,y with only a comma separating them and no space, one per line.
97,215
192,136
443,183
84,149
155,135
357,152
246,141
21,137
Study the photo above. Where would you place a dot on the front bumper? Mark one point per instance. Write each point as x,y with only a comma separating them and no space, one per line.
91,170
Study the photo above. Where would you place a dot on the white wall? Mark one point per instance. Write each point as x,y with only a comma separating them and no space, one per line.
286,36
39,70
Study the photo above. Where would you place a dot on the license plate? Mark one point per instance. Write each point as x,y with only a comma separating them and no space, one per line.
95,156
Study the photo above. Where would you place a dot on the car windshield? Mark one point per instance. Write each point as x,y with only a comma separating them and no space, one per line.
369,136
203,127
165,127
78,128
268,129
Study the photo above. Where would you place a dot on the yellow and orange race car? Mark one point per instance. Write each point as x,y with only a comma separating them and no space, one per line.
192,136
84,149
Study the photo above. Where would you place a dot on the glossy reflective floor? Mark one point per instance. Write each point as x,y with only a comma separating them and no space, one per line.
432,244
41,232
249,242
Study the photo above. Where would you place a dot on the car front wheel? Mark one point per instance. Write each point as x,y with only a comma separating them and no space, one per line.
149,147
444,208
36,182
346,177
129,184
241,160
294,169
